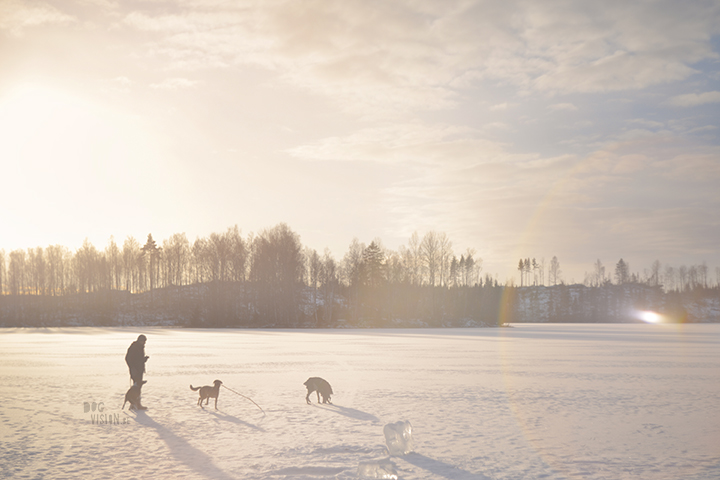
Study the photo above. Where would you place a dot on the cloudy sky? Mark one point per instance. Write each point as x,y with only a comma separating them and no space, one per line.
585,130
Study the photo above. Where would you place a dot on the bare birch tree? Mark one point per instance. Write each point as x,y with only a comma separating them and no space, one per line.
2,272
430,254
177,259
113,257
554,272
131,268
16,272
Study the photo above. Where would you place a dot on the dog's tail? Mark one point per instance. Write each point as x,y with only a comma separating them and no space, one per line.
123,407
194,389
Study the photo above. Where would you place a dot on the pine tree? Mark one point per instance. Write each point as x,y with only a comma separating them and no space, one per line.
521,268
622,272
151,251
374,262
554,271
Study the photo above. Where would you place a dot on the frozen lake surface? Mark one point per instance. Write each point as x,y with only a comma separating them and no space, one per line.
529,402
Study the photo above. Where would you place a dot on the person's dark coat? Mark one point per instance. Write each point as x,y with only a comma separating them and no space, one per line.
136,358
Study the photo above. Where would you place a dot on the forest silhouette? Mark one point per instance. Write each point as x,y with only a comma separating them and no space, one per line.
269,279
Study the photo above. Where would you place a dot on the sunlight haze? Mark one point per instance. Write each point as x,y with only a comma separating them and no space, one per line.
582,130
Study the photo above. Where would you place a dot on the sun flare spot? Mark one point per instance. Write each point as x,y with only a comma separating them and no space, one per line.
649,317
44,127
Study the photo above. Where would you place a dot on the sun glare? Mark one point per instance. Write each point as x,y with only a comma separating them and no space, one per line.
61,151
41,122
62,133
649,317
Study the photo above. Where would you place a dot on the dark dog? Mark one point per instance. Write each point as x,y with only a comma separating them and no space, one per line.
207,392
319,386
133,398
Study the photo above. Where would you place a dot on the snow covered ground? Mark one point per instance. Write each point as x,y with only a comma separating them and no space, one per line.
535,401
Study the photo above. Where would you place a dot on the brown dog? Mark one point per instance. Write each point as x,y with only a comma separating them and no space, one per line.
207,392
319,386
133,398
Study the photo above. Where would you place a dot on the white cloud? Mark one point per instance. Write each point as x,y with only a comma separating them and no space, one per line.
694,99
193,20
563,106
378,74
439,145
118,84
398,56
16,16
697,166
706,128
174,83
123,81
628,164
497,125
646,123
660,154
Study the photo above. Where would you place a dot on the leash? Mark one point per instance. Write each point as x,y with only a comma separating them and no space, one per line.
237,393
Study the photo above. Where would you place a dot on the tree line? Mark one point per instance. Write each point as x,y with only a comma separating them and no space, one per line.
271,279
228,278
229,257
669,278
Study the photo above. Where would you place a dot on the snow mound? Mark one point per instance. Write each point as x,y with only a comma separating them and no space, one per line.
398,437
377,469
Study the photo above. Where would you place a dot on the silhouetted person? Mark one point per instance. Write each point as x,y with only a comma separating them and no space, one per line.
136,358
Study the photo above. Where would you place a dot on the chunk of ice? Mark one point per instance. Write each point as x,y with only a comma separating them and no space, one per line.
398,437
377,469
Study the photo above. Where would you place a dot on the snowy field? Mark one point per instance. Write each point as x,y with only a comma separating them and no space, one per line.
529,402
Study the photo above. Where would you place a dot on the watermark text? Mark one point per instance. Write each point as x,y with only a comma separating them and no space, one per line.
98,415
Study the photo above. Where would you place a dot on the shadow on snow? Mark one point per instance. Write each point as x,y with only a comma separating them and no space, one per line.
349,412
441,469
200,462
220,415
